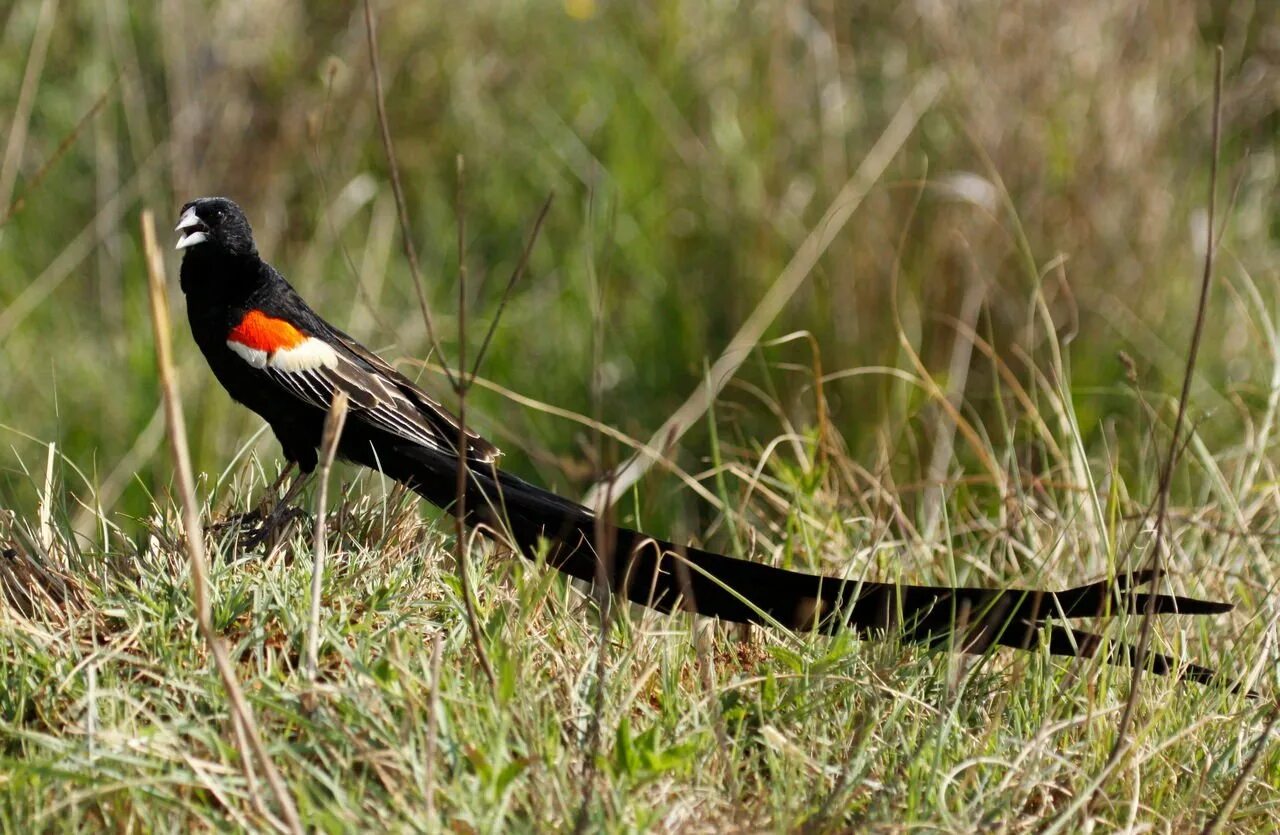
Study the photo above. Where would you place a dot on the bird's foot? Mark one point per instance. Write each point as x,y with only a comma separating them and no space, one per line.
255,528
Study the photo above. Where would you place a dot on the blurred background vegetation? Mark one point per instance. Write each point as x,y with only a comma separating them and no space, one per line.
691,147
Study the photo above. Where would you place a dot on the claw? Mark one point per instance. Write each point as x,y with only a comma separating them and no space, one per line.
272,527
256,527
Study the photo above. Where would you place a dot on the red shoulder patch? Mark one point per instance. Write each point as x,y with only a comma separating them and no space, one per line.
261,332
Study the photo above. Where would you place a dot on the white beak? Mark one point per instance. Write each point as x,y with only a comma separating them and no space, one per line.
188,220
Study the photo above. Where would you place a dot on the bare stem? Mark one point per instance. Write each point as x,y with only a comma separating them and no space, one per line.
402,208
1242,780
1166,474
460,387
433,706
176,425
333,423
521,265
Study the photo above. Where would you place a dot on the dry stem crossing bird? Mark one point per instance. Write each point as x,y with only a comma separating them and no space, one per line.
277,356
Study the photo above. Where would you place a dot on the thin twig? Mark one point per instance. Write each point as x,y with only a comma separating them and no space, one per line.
605,542
255,796
402,209
333,423
511,283
433,706
460,388
1166,476
195,531
457,382
37,178
21,119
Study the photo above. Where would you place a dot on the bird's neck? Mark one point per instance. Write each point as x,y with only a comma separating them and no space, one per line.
220,278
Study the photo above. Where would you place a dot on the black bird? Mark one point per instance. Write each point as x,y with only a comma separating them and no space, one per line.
274,354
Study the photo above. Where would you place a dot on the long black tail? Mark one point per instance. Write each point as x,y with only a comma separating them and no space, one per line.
668,577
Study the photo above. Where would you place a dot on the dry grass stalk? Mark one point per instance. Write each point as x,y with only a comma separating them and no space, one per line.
1175,436
35,591
333,424
240,709
402,210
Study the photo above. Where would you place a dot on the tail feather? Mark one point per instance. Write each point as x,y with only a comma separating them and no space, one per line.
1096,598
668,577
1064,640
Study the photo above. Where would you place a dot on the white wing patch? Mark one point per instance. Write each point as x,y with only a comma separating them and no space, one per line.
307,355
254,356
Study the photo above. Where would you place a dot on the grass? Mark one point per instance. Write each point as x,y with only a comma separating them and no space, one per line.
975,382
117,715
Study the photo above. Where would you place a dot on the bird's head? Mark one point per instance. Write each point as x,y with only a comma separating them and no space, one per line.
215,225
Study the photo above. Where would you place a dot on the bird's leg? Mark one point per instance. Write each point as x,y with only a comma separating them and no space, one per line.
275,485
259,512
281,515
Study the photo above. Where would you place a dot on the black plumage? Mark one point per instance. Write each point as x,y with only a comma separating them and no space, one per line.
274,354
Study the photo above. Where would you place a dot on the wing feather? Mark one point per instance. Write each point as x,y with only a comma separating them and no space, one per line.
371,400
327,361
444,423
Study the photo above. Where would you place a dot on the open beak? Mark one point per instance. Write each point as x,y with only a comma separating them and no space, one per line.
192,228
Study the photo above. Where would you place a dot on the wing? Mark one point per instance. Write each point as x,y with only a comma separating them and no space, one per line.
313,369
431,410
